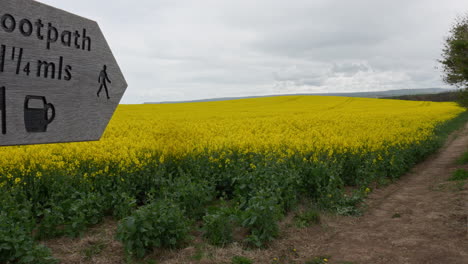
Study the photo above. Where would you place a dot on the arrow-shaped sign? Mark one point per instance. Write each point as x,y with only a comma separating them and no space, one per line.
59,80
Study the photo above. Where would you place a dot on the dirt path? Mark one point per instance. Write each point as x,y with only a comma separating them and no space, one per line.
432,223
422,218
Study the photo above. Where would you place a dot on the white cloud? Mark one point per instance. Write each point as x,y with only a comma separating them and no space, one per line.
191,49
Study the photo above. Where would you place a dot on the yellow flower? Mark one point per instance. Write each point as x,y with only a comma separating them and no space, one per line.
275,128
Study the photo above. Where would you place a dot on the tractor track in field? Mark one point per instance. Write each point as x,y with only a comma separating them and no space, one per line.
421,218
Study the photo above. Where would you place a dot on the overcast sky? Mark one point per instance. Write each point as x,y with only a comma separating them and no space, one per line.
195,49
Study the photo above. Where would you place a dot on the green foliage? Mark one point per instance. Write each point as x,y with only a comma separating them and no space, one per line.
442,131
199,253
16,242
322,181
318,260
93,249
261,218
191,194
161,224
218,225
459,175
241,260
455,58
307,218
347,205
124,205
71,216
463,159
52,221
396,215
462,98
88,209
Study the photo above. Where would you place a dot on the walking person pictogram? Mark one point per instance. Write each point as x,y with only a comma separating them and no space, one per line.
103,79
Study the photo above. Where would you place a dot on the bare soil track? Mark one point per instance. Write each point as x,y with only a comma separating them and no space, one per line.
422,218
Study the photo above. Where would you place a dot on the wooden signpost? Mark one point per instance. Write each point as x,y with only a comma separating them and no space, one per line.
59,81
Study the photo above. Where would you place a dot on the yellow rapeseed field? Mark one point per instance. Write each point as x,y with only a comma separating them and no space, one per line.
160,168
289,124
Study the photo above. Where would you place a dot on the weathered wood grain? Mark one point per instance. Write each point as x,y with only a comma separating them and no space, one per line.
65,73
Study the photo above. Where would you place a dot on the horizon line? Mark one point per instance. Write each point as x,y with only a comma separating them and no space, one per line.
371,94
